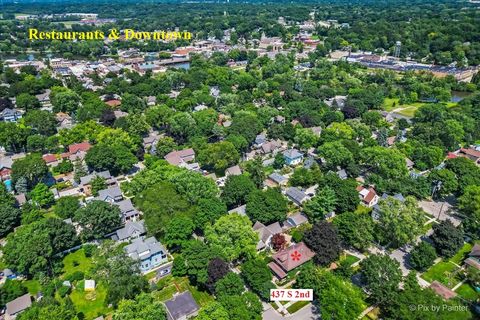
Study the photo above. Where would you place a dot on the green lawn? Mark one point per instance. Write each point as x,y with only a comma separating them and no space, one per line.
388,103
443,272
351,259
297,306
408,111
467,292
33,286
76,261
173,285
461,254
91,304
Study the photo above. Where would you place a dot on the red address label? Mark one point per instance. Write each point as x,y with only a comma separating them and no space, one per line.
291,295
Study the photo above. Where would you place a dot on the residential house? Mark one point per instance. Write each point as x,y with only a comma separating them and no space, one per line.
278,179
233,171
150,142
442,290
271,147
148,252
44,99
50,159
131,230
177,158
78,150
265,233
128,211
259,140
296,195
292,157
111,195
290,258
10,115
368,196
85,181
64,120
6,163
471,154
473,259
241,210
16,306
181,307
409,163
295,220
342,174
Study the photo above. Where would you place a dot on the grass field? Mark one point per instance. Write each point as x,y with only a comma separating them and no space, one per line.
91,304
76,261
174,285
351,259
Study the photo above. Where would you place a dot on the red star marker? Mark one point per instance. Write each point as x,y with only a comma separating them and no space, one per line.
296,256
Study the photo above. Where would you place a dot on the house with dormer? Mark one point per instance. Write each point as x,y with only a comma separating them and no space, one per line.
148,252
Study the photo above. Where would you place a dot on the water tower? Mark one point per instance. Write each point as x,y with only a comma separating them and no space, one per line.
398,47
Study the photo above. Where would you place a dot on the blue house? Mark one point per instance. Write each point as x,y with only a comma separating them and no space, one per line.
292,157
148,252
10,115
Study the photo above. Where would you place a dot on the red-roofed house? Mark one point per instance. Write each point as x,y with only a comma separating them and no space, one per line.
368,196
442,291
451,155
78,150
290,258
50,159
471,154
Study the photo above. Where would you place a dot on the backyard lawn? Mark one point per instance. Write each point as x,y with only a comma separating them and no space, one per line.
350,259
443,272
91,304
174,285
467,292
76,261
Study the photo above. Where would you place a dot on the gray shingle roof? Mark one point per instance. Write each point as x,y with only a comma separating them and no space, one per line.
113,193
181,305
292,154
278,178
130,229
19,304
87,179
144,248
296,195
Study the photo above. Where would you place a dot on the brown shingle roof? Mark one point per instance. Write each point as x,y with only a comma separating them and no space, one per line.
442,291
293,256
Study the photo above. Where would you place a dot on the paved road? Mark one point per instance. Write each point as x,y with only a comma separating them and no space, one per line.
435,209
306,313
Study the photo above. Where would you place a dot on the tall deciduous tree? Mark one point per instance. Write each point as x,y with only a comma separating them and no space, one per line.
266,206
233,233
97,219
382,276
446,238
323,240
236,190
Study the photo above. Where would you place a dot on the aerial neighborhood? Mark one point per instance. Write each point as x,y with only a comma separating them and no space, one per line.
285,148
